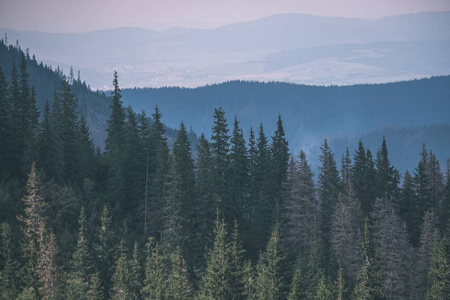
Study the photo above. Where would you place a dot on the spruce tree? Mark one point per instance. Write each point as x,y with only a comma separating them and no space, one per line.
237,279
323,292
300,210
179,286
280,158
121,276
328,191
9,272
346,170
215,283
444,215
105,251
180,193
298,289
271,270
155,282
79,276
387,177
439,272
238,184
219,152
390,238
370,278
346,235
159,174
422,256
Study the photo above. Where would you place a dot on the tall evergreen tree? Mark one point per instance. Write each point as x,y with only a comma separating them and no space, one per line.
155,282
33,222
300,210
105,251
159,168
280,158
238,183
238,277
363,173
179,286
180,193
328,191
297,291
47,145
407,208
271,270
370,278
444,216
114,144
219,151
390,238
422,257
346,170
9,270
215,283
439,272
346,235
121,276
387,177
81,271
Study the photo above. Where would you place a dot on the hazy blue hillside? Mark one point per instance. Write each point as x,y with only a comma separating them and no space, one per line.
288,47
404,144
312,113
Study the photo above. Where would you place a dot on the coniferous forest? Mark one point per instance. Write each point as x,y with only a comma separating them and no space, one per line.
229,218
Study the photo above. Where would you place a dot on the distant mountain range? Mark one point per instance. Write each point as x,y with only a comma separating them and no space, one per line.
289,47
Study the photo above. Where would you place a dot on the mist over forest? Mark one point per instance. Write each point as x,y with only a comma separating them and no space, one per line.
244,189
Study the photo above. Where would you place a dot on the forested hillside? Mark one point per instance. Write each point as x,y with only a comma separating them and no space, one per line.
312,113
240,219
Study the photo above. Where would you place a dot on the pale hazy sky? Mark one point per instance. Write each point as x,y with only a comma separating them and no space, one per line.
88,15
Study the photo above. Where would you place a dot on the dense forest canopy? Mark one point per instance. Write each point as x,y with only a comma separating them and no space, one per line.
238,219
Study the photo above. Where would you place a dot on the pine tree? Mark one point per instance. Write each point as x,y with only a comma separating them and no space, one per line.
215,283
121,276
422,258
136,274
346,170
9,272
297,291
370,278
48,271
363,176
180,193
407,208
436,182
328,191
262,205
86,151
5,121
390,238
47,145
387,177
280,158
238,184
439,272
323,293
105,251
179,286
78,281
300,208
114,144
341,291
33,222
159,174
237,268
271,270
155,282
346,235
444,216
219,151
204,209
95,291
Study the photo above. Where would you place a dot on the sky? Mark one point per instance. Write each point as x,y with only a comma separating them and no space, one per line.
69,16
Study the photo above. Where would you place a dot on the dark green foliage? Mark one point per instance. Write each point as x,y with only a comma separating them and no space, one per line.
280,158
9,274
155,282
271,281
363,176
179,286
328,191
439,272
387,178
298,290
370,276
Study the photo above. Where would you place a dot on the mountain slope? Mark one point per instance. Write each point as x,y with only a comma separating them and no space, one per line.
310,113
